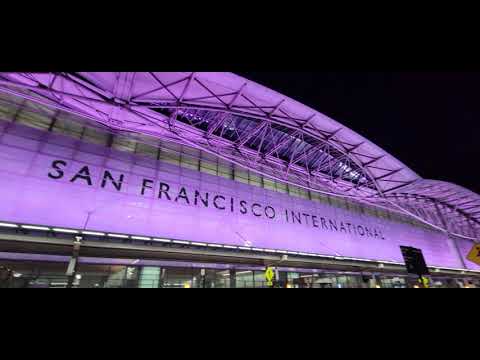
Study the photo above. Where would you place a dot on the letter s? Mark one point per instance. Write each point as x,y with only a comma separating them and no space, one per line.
60,172
243,209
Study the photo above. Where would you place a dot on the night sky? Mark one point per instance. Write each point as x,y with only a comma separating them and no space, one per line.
428,120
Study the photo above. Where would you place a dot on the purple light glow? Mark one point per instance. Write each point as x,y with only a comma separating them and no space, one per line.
29,195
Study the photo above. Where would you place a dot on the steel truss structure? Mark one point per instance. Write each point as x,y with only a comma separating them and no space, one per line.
257,128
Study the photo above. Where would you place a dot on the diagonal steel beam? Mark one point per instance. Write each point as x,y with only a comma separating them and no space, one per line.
251,134
239,92
162,86
388,174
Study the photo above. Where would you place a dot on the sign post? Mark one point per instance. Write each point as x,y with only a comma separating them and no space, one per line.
415,263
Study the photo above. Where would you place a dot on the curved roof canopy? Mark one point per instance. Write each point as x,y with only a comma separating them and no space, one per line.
252,126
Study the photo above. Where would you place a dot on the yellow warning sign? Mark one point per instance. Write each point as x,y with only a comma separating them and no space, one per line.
269,275
474,254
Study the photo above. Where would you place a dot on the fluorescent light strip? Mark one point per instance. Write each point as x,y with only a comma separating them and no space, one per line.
357,259
141,238
292,252
257,249
455,269
118,236
68,231
270,250
94,233
181,242
229,247
198,244
389,262
162,240
282,251
30,227
8,225
244,248
215,245
242,272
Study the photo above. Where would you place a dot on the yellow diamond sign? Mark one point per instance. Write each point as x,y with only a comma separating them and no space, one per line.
474,254
269,275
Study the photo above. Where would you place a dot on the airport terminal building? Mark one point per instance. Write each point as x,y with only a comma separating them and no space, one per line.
190,180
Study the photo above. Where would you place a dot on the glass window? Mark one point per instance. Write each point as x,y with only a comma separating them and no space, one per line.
281,187
180,278
254,179
244,279
169,156
225,170
189,162
68,128
124,144
293,190
6,111
149,277
33,120
208,167
241,175
147,150
268,184
95,136
303,193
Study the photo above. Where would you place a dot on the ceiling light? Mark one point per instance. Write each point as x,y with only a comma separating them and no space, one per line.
68,231
93,233
8,225
30,227
141,238
118,236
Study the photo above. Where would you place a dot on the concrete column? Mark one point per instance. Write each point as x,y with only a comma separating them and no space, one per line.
73,264
282,279
233,278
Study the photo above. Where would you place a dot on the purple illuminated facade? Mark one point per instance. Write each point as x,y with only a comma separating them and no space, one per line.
52,179
55,180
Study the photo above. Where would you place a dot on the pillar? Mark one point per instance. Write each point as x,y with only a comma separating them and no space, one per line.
233,278
450,239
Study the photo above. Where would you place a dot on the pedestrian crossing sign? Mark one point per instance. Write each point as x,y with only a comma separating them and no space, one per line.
269,275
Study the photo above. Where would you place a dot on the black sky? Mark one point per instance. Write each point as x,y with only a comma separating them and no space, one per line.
428,120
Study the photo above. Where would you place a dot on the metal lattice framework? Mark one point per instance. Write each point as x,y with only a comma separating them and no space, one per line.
254,127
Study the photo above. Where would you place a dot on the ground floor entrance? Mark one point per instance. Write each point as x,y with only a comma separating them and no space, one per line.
49,271
37,258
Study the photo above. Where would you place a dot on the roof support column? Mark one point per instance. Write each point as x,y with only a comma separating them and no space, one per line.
474,231
450,238
73,263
